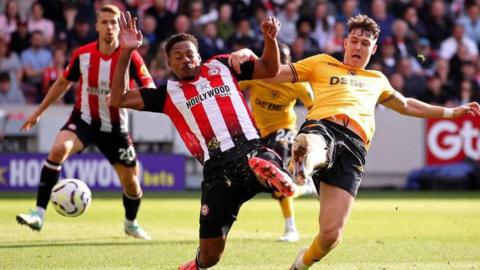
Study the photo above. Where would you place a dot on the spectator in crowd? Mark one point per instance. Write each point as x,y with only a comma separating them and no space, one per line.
414,83
199,18
34,61
449,47
21,38
334,44
81,33
149,26
163,17
37,22
9,94
416,26
467,93
384,19
439,25
210,43
255,24
388,56
460,57
423,55
51,74
288,17
403,43
471,20
442,68
435,93
225,25
243,36
323,24
349,9
397,81
10,63
182,24
298,49
305,26
469,72
159,68
9,20
69,18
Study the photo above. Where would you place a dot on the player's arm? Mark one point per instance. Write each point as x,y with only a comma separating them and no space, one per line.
130,39
417,108
59,87
268,65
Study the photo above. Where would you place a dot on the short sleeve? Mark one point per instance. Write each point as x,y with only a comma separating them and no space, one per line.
305,93
303,69
154,98
387,91
72,71
139,72
246,68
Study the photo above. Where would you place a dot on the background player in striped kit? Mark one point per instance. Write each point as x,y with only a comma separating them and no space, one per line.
273,110
93,121
208,109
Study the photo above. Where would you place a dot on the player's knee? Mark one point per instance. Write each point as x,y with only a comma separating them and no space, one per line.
58,152
131,184
210,258
330,238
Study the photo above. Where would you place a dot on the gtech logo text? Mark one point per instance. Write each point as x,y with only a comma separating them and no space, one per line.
452,140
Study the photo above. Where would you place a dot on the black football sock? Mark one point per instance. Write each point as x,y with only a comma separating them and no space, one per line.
131,204
48,178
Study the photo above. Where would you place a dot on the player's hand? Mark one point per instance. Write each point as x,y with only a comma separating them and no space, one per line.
471,108
31,121
239,57
270,27
130,38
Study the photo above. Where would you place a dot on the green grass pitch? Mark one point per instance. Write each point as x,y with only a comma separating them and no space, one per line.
387,231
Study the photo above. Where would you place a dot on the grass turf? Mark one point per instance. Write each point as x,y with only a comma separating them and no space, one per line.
387,230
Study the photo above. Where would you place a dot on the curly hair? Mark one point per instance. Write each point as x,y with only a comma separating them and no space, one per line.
366,24
179,38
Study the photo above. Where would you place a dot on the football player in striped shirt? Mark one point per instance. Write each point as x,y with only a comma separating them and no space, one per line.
206,105
93,121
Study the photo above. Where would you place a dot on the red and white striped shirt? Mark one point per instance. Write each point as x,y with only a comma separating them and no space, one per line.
210,112
94,71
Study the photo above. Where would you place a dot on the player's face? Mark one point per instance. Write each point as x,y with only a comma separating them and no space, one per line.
107,27
184,60
359,47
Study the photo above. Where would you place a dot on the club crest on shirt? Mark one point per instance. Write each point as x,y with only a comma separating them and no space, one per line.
213,144
144,71
212,71
352,73
204,210
274,94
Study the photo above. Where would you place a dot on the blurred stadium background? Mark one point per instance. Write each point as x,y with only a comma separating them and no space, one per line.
427,48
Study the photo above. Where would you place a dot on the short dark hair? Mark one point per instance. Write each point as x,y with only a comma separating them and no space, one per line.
364,23
179,38
4,77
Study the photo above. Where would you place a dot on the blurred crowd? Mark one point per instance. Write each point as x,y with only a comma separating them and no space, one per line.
428,49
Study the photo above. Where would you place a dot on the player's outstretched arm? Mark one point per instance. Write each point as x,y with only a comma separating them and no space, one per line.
268,65
239,57
54,93
417,108
130,39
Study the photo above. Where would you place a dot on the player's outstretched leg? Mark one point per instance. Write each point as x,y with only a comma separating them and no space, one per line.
309,151
271,176
48,178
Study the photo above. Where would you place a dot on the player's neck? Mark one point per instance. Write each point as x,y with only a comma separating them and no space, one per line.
107,48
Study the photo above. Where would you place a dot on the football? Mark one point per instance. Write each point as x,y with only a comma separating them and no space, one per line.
71,197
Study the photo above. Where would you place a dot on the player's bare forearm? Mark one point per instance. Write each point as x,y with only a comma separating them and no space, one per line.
417,108
119,82
268,65
120,95
59,87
